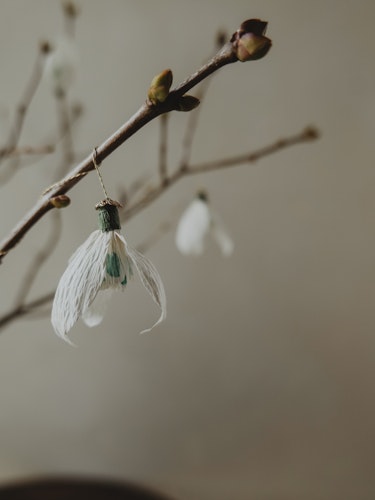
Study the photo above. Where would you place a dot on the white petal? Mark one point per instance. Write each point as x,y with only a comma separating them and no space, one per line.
121,268
80,282
62,63
94,314
222,237
193,227
151,281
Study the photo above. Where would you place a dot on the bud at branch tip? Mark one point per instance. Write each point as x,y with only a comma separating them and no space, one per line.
249,42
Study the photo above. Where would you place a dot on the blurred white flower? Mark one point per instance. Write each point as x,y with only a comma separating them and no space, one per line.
102,264
61,64
196,222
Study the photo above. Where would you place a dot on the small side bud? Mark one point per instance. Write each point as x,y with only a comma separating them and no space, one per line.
311,133
202,195
60,201
77,110
187,103
221,38
70,9
45,47
249,41
160,85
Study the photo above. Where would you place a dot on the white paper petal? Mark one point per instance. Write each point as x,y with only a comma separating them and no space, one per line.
80,282
151,281
117,246
94,314
222,237
193,227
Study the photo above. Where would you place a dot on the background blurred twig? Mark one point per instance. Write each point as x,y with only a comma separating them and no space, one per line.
306,135
159,103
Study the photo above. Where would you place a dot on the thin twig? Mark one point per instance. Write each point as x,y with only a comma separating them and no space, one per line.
63,112
155,236
20,116
75,112
29,151
70,11
65,133
192,122
19,311
163,148
56,223
134,189
39,260
306,135
191,128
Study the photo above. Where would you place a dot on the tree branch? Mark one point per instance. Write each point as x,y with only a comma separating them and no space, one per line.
247,43
163,149
144,115
308,134
24,105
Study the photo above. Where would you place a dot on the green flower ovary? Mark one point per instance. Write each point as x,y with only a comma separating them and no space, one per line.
113,268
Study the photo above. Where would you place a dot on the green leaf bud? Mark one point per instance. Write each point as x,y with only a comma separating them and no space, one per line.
60,201
160,85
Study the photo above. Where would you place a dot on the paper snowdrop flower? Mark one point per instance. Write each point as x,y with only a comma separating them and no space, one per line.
61,64
196,222
103,263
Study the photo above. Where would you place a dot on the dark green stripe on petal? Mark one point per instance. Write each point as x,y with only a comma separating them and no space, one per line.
112,265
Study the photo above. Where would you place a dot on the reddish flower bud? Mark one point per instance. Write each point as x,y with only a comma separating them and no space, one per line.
249,41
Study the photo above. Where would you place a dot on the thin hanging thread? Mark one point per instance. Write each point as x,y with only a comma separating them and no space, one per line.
94,155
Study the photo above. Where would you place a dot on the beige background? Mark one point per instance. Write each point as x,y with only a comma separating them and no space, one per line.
260,384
